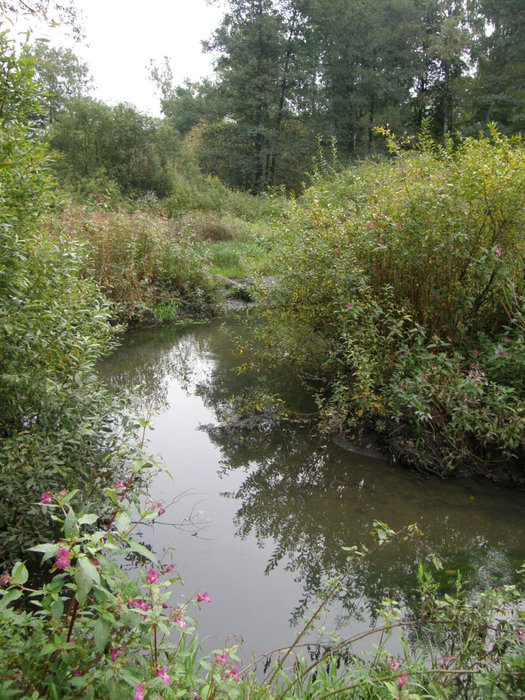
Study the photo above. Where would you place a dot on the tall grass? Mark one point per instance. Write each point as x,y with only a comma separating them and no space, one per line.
143,262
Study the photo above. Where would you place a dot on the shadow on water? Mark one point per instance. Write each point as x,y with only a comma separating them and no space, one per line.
281,503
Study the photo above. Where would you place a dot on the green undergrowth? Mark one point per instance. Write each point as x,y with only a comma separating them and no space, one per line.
401,290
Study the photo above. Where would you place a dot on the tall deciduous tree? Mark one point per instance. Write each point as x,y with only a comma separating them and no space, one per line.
60,76
259,45
365,67
499,91
443,47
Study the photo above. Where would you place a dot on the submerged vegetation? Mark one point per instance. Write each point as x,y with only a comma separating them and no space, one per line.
398,295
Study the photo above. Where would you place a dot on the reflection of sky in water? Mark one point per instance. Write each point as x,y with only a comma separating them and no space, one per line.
271,509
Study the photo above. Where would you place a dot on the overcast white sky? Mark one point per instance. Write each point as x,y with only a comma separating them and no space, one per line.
123,35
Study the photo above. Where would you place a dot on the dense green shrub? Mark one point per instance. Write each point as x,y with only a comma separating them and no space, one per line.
402,289
96,147
55,418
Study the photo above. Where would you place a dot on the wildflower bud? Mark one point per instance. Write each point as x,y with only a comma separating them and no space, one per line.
5,580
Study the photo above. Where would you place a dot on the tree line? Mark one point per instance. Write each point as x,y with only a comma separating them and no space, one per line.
294,79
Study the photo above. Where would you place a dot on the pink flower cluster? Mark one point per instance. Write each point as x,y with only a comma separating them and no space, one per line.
163,673
138,603
402,680
138,692
203,597
45,497
232,673
63,559
152,576
223,659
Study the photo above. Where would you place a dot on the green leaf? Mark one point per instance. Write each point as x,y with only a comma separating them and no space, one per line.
48,648
44,548
123,522
57,609
19,574
84,585
143,551
89,568
101,634
87,519
71,494
70,524
49,550
9,596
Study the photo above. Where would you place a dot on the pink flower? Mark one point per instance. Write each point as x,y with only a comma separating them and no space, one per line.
349,306
180,621
63,493
46,496
498,252
162,511
138,692
76,672
233,673
170,567
221,658
152,576
394,664
402,680
203,597
119,484
163,673
520,635
63,558
114,654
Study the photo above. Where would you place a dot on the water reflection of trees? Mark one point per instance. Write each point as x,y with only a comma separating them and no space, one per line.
149,360
310,498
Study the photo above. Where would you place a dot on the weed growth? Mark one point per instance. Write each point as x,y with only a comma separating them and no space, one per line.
402,289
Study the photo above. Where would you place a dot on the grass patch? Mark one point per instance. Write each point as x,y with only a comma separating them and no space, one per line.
239,258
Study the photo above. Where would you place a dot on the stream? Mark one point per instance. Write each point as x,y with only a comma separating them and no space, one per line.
258,515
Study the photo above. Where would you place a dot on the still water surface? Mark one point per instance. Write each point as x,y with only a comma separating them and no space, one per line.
259,516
